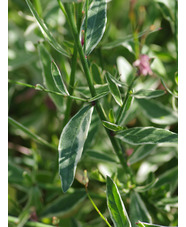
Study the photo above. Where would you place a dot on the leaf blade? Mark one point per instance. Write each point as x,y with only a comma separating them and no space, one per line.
58,207
147,135
115,205
46,33
114,89
112,126
58,80
96,24
48,80
138,210
148,94
157,112
70,151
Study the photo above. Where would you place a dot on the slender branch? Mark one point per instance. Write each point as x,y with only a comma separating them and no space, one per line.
41,88
71,86
96,208
100,112
86,22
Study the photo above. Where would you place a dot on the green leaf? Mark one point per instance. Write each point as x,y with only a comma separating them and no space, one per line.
96,24
96,74
68,1
48,80
148,94
15,173
113,89
59,208
100,156
100,89
46,33
56,74
112,126
147,135
140,153
143,224
171,202
126,40
167,8
125,113
111,116
138,210
157,112
115,205
71,145
29,133
99,96
170,176
146,187
15,220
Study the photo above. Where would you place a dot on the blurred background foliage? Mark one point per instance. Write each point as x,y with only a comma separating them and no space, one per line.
34,186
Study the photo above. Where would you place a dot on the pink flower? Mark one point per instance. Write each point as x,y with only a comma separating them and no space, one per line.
143,64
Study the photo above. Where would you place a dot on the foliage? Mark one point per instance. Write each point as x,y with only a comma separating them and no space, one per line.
92,137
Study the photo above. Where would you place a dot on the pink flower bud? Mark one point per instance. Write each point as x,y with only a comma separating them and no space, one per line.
143,65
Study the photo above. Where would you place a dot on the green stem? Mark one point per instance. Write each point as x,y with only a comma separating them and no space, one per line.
136,44
98,107
86,22
46,90
94,205
71,86
176,26
38,7
15,220
62,8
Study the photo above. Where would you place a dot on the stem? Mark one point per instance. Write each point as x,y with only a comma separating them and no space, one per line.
38,7
62,8
176,27
94,205
46,90
86,22
71,86
136,44
98,107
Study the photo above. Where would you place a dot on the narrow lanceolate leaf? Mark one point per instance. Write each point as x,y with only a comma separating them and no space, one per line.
96,74
58,80
96,23
138,210
169,177
48,80
112,126
99,96
157,112
29,133
147,135
140,153
115,205
46,33
144,224
71,145
114,89
68,1
148,94
59,208
146,187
